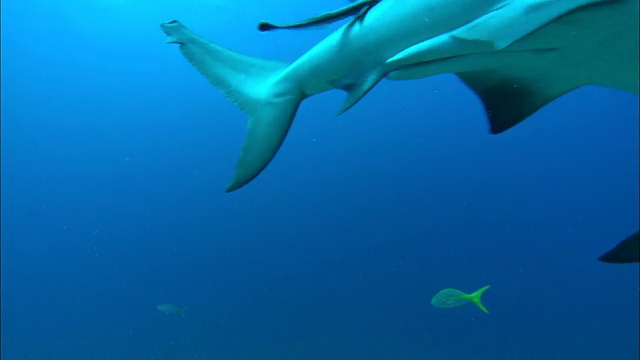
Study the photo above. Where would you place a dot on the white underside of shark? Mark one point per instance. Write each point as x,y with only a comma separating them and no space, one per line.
516,55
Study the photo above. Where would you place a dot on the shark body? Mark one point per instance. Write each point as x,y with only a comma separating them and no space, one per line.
516,55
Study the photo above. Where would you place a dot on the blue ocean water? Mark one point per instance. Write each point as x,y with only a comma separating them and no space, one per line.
116,153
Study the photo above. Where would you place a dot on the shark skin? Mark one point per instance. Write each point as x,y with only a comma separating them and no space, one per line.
516,55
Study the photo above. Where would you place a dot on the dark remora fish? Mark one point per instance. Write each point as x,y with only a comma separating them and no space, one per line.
357,9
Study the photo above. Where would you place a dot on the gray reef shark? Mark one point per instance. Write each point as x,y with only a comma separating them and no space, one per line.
516,55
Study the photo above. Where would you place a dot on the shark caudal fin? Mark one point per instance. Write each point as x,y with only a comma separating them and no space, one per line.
252,85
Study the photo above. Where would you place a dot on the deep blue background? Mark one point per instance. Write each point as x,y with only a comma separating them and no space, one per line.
116,152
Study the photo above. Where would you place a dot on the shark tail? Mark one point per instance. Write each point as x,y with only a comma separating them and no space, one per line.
181,311
252,84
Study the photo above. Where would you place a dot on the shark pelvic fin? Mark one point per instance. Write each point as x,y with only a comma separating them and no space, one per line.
356,88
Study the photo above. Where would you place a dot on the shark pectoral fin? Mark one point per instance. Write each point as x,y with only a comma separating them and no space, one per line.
358,9
356,88
512,86
513,83
491,27
509,97
253,85
627,251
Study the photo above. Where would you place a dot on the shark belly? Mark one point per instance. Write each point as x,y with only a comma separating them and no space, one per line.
354,58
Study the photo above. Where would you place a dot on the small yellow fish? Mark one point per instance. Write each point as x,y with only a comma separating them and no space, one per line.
449,298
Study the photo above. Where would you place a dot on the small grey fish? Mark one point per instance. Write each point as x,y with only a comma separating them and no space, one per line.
171,310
